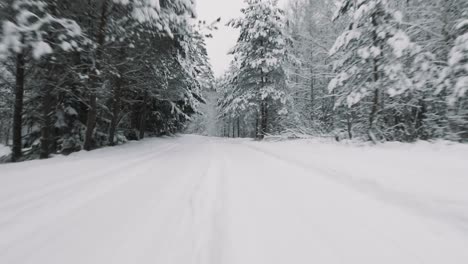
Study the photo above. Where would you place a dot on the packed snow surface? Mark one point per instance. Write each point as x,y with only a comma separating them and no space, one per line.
204,200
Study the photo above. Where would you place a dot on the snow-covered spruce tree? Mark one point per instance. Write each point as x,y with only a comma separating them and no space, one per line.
165,20
313,32
230,106
6,105
370,58
28,33
182,90
261,53
431,24
454,81
148,63
204,121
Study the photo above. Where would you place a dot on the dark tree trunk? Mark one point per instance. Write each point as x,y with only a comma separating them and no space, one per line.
263,112
46,108
238,127
373,114
375,78
421,116
116,102
142,126
91,122
94,80
7,135
224,128
349,121
233,128
18,109
263,120
257,124
46,122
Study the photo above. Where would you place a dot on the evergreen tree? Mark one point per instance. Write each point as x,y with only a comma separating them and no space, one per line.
455,81
261,52
97,73
371,60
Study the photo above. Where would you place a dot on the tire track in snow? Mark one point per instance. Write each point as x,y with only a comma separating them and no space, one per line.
210,212
69,181
219,238
379,192
75,196
359,229
262,215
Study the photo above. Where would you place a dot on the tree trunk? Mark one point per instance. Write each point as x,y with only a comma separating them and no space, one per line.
261,132
257,124
18,109
7,136
263,120
91,122
349,121
46,108
373,114
142,126
46,122
421,117
233,128
115,111
312,96
224,128
94,80
375,78
263,112
238,127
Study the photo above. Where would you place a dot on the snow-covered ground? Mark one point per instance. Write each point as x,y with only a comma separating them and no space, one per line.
4,150
206,200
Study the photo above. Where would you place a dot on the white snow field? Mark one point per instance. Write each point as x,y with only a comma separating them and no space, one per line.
205,200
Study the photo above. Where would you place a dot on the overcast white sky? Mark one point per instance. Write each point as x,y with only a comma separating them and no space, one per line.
224,38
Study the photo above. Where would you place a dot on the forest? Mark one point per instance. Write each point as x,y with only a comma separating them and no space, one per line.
373,70
81,74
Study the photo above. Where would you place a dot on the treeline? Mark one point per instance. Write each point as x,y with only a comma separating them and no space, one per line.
369,69
80,74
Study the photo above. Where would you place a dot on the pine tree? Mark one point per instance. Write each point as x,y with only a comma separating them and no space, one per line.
30,30
261,52
370,59
99,72
455,81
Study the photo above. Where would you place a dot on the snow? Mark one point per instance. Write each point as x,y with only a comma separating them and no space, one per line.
338,81
367,52
457,53
461,87
29,26
344,39
462,24
41,49
398,16
196,199
4,150
364,9
399,42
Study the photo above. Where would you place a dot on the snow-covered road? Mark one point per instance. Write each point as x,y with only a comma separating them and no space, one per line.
215,201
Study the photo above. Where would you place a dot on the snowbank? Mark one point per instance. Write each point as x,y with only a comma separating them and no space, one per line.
4,150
